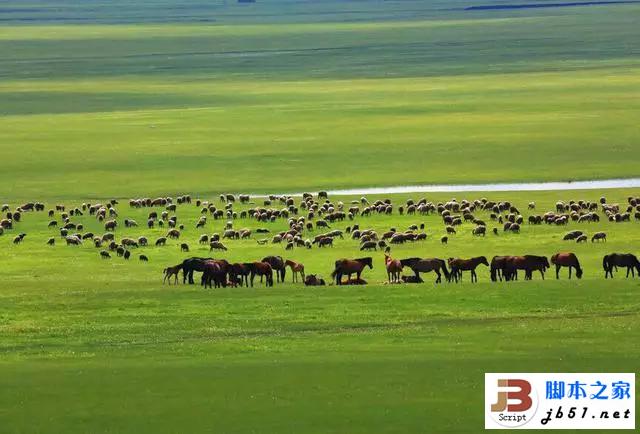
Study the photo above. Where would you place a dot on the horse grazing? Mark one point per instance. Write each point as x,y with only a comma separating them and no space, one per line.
171,272
349,267
425,265
261,269
190,265
239,273
214,271
566,259
277,264
296,268
394,269
614,260
459,265
528,263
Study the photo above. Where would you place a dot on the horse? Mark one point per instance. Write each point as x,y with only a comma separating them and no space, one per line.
171,271
497,267
190,265
313,280
394,269
528,263
458,265
261,269
425,265
296,267
566,259
214,271
277,264
349,267
620,260
239,273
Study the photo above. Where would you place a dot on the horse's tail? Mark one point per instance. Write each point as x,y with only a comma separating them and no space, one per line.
605,262
443,263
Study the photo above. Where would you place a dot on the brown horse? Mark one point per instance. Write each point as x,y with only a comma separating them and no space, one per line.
213,272
349,267
459,265
426,265
261,269
394,269
171,271
239,273
614,260
566,259
296,268
528,263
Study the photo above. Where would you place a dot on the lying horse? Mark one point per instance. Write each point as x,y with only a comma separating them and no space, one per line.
566,260
426,265
313,280
349,267
614,260
459,265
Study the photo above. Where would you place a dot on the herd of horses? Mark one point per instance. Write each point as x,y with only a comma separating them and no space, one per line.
221,273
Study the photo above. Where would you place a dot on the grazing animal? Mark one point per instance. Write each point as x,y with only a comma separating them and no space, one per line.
599,236
278,265
426,265
444,240
566,259
239,274
217,245
215,271
581,239
614,260
161,241
171,272
349,267
394,269
528,263
191,265
184,247
127,255
296,268
105,255
143,258
457,266
261,269
368,245
51,242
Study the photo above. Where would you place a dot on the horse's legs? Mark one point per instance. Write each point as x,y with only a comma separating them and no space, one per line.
439,278
570,272
558,271
474,276
542,274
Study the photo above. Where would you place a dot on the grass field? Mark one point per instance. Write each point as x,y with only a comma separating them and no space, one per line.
269,105
103,99
89,343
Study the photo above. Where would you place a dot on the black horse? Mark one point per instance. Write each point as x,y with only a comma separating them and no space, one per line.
615,260
278,265
190,265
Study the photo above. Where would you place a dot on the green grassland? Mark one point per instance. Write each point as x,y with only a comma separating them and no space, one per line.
271,105
102,99
103,346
